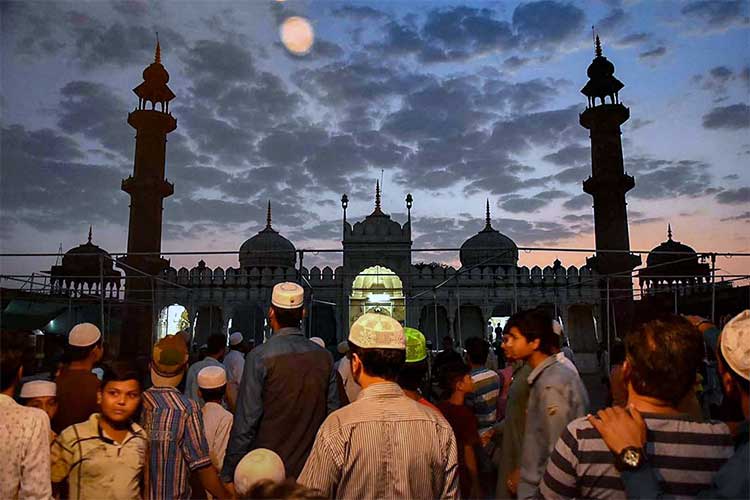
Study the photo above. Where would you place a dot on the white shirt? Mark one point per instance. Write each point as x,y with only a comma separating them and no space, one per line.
191,380
351,387
217,423
234,362
24,448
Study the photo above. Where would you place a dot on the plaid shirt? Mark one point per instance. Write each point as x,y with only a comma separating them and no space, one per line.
177,442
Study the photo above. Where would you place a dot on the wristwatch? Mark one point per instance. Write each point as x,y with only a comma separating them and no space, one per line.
630,458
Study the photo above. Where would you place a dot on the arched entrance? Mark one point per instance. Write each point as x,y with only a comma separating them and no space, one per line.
495,324
433,323
249,319
377,289
172,319
470,324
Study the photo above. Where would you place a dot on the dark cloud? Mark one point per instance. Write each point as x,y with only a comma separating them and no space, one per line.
633,39
652,54
572,175
737,196
612,22
32,31
325,48
578,202
733,117
717,14
517,204
657,179
544,128
572,154
744,216
638,123
546,23
358,12
41,144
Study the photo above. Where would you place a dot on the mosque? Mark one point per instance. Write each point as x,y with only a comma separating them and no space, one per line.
377,271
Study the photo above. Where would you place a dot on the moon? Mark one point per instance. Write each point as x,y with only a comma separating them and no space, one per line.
297,35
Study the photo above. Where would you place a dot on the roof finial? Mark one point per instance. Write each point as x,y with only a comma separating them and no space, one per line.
268,216
487,219
669,231
157,56
377,195
598,47
91,227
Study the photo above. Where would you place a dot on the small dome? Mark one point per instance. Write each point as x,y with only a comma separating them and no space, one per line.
155,74
489,248
83,260
659,256
267,249
602,81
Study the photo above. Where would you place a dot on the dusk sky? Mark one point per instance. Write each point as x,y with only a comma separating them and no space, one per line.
456,102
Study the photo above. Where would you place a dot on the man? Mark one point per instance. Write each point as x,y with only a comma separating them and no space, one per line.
41,394
174,425
556,396
351,387
662,356
258,465
77,386
24,446
622,430
412,375
215,350
104,456
288,387
563,351
383,445
486,386
234,362
513,425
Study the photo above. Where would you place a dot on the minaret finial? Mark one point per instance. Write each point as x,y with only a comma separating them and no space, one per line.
487,218
268,216
157,56
377,195
91,227
598,47
669,231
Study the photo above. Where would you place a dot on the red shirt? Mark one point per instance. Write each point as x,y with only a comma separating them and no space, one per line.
464,424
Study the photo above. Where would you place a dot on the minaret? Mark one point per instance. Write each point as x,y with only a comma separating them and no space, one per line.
607,185
147,188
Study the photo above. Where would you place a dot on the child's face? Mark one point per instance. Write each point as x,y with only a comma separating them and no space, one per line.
119,400
466,384
517,345
46,403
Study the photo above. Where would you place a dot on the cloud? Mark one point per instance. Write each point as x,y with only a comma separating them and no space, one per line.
733,117
634,39
572,154
578,202
737,196
546,23
717,14
612,22
744,216
657,178
41,144
652,54
358,12
516,204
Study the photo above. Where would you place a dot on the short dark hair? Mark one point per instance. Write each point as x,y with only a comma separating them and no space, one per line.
288,318
383,363
288,488
534,324
216,343
450,375
11,357
664,356
76,353
216,394
477,349
412,375
119,371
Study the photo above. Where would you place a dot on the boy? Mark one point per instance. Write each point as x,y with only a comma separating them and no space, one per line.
457,382
217,422
103,457
41,394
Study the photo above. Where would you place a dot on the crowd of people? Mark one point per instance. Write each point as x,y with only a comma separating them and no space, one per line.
388,419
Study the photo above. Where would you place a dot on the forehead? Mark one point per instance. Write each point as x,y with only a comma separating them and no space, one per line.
514,332
122,385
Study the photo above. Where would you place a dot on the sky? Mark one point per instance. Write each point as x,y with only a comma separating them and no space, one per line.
453,102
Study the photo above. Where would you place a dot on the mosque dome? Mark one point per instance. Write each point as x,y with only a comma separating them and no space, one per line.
83,260
601,73
489,247
267,249
663,255
671,263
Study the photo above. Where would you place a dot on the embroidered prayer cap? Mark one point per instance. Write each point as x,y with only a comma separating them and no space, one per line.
287,295
259,464
735,344
416,346
38,389
377,331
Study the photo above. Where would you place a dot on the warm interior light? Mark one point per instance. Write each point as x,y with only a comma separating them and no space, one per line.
379,298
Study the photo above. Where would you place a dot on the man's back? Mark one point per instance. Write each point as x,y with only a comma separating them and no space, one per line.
76,396
685,453
384,445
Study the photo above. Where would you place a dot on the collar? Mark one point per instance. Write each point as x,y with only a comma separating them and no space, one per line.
551,360
133,430
289,330
381,390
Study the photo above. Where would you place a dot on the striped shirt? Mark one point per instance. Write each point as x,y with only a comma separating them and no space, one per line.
685,454
484,398
383,445
177,446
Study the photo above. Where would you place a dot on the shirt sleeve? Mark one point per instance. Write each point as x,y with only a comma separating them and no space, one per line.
222,438
194,445
560,478
321,471
247,415
61,458
450,488
334,401
35,467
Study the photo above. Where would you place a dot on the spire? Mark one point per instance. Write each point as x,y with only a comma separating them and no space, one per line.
268,216
157,56
598,47
669,231
377,196
91,227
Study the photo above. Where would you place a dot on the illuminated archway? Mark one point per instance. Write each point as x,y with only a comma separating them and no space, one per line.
377,289
172,319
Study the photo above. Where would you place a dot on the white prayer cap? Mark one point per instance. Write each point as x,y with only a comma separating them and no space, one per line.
258,465
557,328
38,389
735,344
377,331
319,341
84,335
287,295
212,377
235,338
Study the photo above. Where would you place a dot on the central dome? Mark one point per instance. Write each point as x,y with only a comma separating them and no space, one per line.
267,249
488,248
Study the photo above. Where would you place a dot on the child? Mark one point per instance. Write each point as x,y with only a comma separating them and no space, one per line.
217,421
41,394
457,383
104,456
